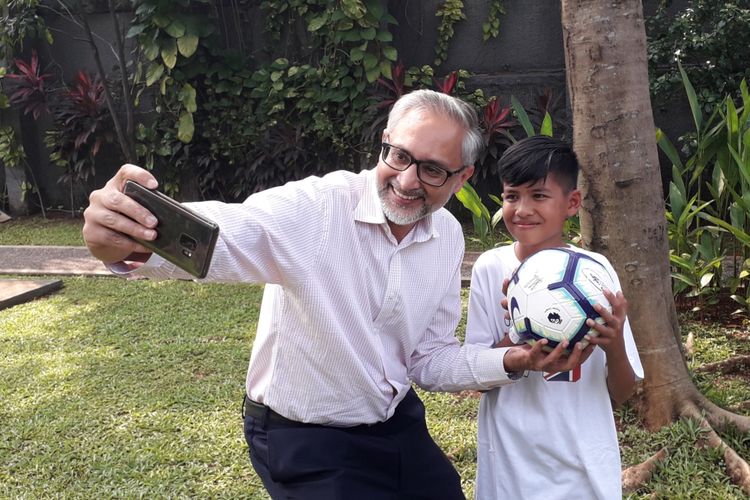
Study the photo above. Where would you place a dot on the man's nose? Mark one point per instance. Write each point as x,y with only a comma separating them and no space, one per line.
408,179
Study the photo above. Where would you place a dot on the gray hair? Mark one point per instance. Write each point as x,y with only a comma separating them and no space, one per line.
457,110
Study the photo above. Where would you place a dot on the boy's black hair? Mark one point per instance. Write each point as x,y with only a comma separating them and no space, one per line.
537,157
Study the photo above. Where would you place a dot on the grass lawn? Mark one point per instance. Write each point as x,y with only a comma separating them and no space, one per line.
59,230
115,388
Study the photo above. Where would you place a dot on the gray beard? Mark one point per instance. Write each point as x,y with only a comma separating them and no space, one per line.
398,217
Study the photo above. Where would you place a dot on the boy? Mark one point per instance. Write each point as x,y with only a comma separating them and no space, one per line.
548,435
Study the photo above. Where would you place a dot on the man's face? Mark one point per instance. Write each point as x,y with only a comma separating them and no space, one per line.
425,136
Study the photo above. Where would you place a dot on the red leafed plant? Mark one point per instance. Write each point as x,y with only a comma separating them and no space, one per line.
29,92
83,126
495,121
447,84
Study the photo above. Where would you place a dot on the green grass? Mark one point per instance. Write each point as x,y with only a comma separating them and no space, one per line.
36,230
115,388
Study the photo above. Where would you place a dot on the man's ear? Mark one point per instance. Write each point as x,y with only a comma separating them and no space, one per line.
574,202
464,176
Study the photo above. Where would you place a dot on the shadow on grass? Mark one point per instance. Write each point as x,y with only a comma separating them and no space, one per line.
127,388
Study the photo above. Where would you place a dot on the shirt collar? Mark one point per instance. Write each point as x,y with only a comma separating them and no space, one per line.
370,211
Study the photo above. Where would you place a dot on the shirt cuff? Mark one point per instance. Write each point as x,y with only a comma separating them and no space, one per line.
490,368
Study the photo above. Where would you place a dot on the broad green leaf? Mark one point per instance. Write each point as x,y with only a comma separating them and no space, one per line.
187,44
676,201
150,49
169,53
522,117
161,20
187,97
370,61
692,99
385,69
135,30
356,54
317,22
153,73
372,74
666,145
390,53
546,127
175,29
384,36
185,127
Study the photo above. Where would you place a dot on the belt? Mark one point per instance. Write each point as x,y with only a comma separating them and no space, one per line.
409,412
266,414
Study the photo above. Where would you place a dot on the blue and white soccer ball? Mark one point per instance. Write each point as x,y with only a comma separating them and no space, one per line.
552,293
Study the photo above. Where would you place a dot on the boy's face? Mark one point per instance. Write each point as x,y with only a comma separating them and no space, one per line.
535,213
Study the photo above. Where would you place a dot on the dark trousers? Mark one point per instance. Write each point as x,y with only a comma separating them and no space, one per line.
396,459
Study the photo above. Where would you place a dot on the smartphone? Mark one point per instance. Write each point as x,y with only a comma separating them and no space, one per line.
184,238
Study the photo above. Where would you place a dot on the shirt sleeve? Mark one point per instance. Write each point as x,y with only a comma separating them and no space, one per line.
275,236
440,363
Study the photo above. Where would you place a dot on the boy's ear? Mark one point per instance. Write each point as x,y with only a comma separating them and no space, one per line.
574,202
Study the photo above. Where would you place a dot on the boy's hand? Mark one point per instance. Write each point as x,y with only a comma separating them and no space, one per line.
526,357
610,337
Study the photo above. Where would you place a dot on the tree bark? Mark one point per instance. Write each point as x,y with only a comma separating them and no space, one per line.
623,211
622,214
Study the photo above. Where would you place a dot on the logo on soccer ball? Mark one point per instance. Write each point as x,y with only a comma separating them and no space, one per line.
554,317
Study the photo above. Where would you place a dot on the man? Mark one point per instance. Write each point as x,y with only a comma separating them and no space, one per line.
362,297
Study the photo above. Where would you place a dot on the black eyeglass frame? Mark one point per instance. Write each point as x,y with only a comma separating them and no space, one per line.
448,174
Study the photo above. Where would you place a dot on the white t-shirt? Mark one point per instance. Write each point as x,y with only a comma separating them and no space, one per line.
540,438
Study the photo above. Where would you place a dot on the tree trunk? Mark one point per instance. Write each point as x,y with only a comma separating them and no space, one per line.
623,211
623,206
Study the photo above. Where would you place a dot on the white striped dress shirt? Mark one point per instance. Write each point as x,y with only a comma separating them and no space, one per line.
350,316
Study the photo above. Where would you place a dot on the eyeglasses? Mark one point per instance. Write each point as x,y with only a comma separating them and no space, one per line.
427,172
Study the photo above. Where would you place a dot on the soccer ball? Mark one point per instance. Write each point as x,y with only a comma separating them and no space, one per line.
552,293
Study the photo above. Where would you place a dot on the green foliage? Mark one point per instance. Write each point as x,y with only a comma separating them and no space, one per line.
450,13
491,27
710,38
12,153
244,128
709,198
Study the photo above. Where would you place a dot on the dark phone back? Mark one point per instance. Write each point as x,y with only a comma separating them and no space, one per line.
184,237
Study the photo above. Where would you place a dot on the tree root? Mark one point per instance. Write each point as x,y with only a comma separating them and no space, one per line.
737,469
636,476
719,418
727,366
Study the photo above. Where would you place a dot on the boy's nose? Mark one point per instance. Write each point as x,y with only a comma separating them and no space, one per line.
523,208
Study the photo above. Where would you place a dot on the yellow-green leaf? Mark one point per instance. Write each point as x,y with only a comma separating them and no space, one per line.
153,73
185,127
169,54
175,29
187,97
187,45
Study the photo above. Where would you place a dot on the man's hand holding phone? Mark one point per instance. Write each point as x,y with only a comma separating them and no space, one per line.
113,219
152,222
